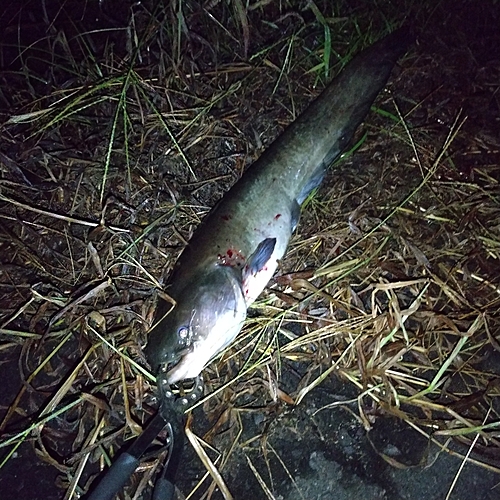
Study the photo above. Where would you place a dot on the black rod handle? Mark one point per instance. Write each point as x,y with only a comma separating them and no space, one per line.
115,478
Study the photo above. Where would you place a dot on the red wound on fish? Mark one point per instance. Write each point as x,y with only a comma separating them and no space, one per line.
232,258
225,217
277,216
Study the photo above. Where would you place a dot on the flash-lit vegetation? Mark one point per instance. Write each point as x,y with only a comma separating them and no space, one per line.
123,123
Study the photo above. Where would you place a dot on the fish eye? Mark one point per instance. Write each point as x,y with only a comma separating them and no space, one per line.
183,332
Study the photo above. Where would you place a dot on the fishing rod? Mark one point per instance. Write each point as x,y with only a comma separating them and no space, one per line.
170,417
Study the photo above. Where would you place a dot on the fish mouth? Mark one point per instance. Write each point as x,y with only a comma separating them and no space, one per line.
187,365
168,368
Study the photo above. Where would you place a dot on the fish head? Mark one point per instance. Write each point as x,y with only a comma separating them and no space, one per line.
208,314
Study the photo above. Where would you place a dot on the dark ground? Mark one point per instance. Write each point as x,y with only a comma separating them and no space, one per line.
312,454
322,454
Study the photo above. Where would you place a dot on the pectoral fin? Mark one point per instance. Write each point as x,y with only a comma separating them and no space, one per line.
258,260
258,270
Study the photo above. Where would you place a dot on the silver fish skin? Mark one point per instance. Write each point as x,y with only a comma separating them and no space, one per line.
235,250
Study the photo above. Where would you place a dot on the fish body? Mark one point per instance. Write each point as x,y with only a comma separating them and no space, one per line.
235,251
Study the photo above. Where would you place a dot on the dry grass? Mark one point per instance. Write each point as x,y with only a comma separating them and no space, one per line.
115,143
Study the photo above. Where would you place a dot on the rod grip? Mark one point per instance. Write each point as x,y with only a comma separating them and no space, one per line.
115,478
